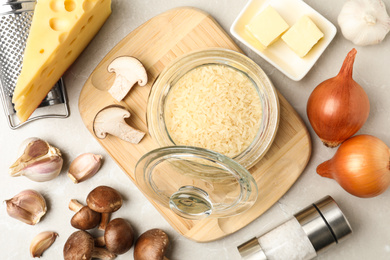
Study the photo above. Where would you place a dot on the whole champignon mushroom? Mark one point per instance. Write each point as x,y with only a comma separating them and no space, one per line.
84,218
81,245
111,120
151,245
105,200
128,71
118,236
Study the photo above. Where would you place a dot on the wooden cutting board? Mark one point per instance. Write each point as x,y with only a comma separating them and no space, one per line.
156,43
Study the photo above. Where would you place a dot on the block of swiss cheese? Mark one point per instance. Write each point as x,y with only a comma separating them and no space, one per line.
60,30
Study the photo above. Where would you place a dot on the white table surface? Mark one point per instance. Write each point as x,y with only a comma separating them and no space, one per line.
369,217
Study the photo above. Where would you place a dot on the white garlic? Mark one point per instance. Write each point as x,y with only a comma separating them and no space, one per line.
38,161
27,206
41,242
84,167
364,22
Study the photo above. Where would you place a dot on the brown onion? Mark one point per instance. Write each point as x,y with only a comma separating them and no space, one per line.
338,107
361,166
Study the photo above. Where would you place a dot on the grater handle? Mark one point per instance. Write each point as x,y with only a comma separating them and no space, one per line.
16,7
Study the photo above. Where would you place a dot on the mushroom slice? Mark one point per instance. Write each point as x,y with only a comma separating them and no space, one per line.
128,71
111,120
81,245
151,245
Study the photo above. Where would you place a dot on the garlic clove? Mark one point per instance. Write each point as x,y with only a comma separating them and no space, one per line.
84,167
41,242
38,161
27,206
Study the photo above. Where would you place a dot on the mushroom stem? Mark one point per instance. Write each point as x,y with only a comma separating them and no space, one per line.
102,253
104,220
74,205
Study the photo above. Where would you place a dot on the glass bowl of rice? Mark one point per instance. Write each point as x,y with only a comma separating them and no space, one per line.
215,99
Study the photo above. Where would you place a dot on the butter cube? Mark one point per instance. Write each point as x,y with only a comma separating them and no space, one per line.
302,36
267,26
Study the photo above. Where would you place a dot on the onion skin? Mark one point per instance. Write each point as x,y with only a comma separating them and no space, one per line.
338,107
361,166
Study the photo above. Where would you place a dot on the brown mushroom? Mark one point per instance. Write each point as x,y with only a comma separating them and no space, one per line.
84,218
80,245
105,200
151,245
118,236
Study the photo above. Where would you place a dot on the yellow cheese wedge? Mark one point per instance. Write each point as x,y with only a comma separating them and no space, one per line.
302,36
60,30
267,26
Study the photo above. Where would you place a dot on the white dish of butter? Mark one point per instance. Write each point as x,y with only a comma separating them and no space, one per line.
279,53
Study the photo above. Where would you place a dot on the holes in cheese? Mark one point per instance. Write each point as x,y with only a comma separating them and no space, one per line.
68,54
58,24
63,37
90,19
51,72
44,71
88,5
70,5
70,44
56,5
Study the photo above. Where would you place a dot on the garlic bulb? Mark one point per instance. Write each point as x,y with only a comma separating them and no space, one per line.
38,161
364,22
27,206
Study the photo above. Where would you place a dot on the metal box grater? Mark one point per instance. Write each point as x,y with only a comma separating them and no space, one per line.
15,22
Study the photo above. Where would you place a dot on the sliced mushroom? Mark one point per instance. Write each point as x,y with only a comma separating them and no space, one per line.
111,120
84,218
105,200
80,245
151,245
128,71
118,236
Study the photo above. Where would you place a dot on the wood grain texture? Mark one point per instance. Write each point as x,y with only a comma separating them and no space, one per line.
156,43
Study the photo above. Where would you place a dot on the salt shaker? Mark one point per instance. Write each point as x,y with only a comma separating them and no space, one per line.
303,237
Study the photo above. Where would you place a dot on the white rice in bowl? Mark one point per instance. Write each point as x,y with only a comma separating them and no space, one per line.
214,107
